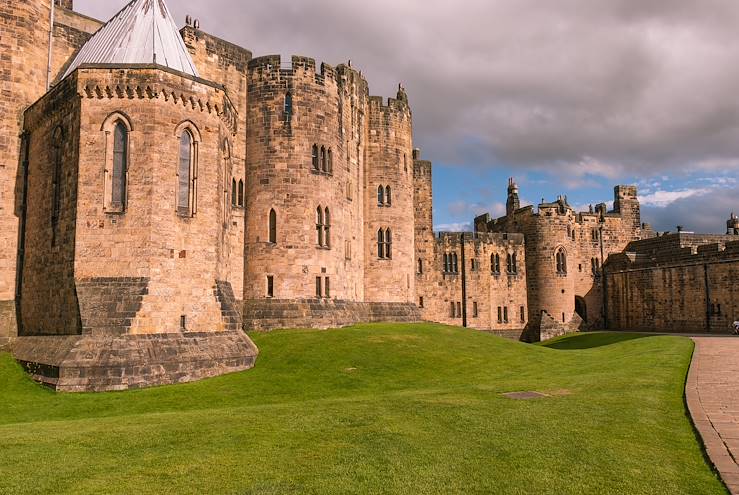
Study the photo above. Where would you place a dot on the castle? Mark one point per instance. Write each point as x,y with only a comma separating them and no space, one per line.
161,191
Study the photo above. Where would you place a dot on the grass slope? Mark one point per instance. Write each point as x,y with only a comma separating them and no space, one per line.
414,409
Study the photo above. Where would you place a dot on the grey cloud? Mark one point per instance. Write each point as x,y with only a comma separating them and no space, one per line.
706,212
637,87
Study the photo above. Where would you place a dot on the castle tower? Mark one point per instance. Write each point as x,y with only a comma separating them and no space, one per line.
732,225
123,283
389,192
626,202
513,203
24,42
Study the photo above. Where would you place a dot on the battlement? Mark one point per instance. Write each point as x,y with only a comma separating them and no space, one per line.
675,249
452,239
422,168
228,54
271,67
393,105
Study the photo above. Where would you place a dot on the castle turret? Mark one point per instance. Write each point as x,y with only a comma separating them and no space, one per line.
626,203
24,42
513,203
732,225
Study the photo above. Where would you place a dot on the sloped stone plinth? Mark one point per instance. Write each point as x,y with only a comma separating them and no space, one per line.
96,363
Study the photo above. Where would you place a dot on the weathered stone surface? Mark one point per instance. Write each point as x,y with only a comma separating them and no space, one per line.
675,283
96,363
8,328
270,314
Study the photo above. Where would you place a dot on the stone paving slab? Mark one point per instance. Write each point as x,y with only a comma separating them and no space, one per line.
712,395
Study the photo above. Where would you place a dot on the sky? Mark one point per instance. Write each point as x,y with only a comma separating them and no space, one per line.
568,97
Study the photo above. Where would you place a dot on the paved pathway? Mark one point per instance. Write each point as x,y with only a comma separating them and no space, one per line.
712,393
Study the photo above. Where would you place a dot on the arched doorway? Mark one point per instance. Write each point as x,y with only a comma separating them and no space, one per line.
581,308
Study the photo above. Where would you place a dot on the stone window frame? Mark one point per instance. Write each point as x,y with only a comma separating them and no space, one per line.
270,280
108,129
288,108
323,227
385,244
191,209
322,160
560,259
475,312
495,264
420,266
512,263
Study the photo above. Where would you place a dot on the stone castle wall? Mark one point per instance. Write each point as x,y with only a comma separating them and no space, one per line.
571,298
674,283
24,42
486,289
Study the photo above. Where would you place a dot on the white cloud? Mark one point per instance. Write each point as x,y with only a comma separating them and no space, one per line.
662,198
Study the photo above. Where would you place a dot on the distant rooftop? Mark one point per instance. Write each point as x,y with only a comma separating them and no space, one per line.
143,32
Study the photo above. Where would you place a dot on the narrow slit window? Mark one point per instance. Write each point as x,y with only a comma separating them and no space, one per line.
327,228
273,226
388,244
234,197
184,175
380,243
314,158
241,193
324,160
270,286
327,287
120,166
380,196
319,226
388,196
319,287
288,107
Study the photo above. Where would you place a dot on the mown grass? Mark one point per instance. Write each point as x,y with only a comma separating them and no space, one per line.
412,409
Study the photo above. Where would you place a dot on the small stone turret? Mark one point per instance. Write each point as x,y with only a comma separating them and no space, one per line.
513,203
732,225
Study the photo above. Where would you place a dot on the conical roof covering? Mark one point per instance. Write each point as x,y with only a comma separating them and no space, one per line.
143,32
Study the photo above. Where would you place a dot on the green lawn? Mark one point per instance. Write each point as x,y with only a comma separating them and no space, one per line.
411,409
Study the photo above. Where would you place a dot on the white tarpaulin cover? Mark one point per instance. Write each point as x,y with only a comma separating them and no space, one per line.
142,33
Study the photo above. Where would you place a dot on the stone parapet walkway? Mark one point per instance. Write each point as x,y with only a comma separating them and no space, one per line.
712,394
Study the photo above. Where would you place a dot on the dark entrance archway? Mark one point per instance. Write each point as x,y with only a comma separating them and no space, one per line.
581,308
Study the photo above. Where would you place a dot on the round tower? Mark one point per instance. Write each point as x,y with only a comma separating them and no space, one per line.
551,262
303,210
24,38
389,219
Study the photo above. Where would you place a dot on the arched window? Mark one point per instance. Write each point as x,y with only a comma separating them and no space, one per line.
120,166
495,264
234,197
381,243
388,196
327,228
420,266
241,193
314,157
514,263
324,161
273,226
288,107
388,244
455,264
185,176
319,226
446,263
561,258
380,195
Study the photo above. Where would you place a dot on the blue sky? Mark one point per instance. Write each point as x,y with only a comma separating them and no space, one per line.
568,96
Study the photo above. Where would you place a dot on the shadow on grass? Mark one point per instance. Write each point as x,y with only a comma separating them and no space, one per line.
591,340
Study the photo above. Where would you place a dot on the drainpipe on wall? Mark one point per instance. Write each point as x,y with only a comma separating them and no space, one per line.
708,298
51,43
464,284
